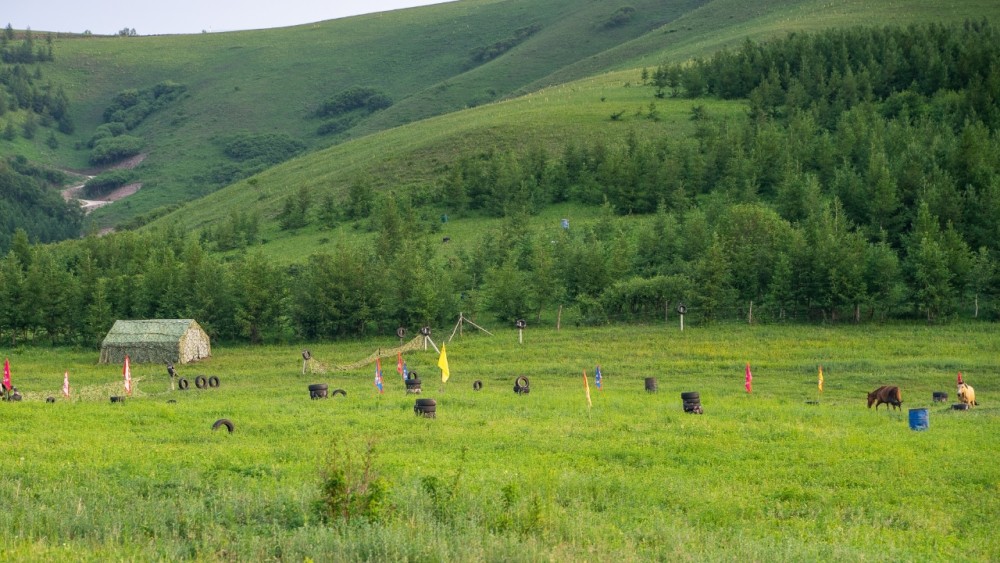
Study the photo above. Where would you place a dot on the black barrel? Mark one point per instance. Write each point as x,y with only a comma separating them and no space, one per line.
651,384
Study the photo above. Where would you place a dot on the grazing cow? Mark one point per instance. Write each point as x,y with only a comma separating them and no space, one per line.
888,394
967,394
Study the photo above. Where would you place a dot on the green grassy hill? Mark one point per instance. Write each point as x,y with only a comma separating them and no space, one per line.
431,61
272,80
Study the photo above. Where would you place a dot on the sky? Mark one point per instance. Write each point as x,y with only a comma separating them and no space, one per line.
156,17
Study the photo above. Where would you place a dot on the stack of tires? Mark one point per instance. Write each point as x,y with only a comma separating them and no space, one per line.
318,390
692,402
412,383
940,397
426,408
521,386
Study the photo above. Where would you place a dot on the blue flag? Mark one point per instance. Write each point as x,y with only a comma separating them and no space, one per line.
597,377
406,372
378,374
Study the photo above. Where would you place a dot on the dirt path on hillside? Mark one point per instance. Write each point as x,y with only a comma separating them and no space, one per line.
71,193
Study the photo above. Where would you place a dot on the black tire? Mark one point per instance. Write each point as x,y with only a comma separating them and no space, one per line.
172,400
224,422
691,396
182,384
201,382
338,392
50,399
651,384
960,406
477,385
213,381
319,387
114,399
426,403
522,381
321,394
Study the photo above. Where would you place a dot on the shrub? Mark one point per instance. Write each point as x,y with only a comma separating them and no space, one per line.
350,487
114,149
107,182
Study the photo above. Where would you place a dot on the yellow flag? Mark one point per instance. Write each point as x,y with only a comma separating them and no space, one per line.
820,379
586,388
443,364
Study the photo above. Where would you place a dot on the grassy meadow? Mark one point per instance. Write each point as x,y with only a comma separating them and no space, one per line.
497,476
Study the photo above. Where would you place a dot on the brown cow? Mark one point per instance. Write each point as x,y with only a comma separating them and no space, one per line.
888,394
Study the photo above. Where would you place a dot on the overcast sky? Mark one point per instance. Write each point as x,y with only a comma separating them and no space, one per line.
154,17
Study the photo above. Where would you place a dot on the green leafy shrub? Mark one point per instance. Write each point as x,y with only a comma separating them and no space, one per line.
113,149
350,487
354,99
107,182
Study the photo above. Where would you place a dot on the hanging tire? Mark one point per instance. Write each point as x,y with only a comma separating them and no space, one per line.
213,381
477,385
224,422
182,384
340,392
201,382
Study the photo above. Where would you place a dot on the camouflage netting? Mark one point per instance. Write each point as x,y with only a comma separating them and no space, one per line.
155,341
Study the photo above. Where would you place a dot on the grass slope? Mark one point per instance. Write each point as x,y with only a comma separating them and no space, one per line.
414,156
762,476
270,80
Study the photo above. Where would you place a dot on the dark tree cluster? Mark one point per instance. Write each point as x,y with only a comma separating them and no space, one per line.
347,108
23,89
28,203
946,67
487,53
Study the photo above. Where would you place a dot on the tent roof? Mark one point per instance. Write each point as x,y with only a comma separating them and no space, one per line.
153,330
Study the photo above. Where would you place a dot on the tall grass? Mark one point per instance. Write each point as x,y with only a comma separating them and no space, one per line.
498,476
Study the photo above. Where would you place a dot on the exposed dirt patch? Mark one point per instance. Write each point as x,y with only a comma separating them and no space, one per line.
88,205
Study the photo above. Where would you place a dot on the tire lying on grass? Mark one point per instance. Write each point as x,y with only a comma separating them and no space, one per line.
340,392
213,381
477,385
224,422
201,382
182,384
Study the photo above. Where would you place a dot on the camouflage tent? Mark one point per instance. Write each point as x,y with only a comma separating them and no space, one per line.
155,340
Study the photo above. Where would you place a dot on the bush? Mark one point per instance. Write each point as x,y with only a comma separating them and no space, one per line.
268,148
107,151
107,182
350,488
353,99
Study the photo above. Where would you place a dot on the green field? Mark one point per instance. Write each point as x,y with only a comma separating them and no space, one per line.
497,476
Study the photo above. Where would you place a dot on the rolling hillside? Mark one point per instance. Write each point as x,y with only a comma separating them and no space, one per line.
429,61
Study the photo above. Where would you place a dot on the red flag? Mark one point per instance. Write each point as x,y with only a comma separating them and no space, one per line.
128,377
66,385
6,373
399,364
959,378
749,381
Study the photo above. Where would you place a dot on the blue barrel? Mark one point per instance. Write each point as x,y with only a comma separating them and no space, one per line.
918,419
